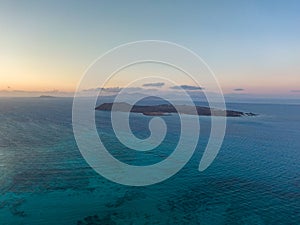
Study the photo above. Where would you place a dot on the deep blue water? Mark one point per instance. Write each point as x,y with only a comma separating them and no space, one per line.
255,179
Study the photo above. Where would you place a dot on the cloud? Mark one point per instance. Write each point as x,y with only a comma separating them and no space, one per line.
113,89
92,90
132,89
159,84
25,93
187,88
239,89
34,92
295,91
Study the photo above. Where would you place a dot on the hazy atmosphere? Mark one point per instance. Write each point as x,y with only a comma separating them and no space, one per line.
160,112
252,46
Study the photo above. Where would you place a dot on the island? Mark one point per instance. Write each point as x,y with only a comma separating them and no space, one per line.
47,96
166,109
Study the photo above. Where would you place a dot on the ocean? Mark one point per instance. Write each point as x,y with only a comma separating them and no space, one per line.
255,179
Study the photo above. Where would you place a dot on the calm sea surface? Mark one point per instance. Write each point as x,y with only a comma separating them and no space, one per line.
255,179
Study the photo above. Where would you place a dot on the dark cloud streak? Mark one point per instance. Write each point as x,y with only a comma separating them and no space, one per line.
158,84
239,89
187,88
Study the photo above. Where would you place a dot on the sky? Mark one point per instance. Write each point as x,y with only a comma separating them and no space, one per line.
252,46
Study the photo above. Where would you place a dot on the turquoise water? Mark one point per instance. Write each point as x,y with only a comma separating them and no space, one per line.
255,179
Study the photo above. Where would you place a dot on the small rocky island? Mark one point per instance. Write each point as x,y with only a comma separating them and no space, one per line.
165,109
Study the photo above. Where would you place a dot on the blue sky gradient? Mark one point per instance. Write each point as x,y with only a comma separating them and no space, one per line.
250,45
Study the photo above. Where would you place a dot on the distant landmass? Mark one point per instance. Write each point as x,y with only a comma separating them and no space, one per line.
47,96
165,109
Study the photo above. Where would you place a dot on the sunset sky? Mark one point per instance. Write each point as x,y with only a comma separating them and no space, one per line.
252,46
